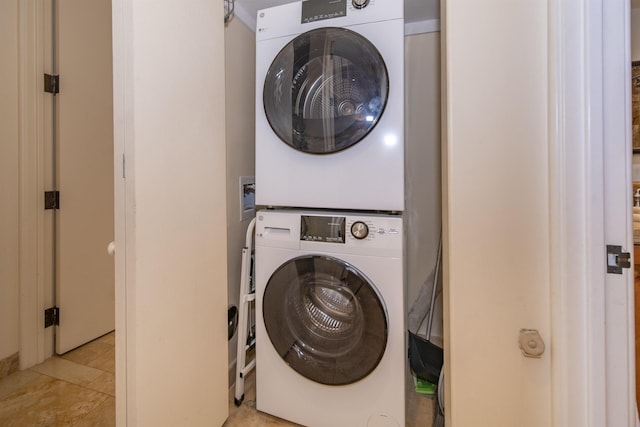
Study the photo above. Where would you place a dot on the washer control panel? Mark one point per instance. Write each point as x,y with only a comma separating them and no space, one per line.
331,232
332,228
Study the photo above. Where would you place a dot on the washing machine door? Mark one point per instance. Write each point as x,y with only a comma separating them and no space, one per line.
325,319
325,90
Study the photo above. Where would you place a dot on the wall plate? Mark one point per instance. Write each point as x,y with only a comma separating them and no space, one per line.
247,197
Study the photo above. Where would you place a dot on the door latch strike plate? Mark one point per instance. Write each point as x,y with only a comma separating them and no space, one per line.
617,259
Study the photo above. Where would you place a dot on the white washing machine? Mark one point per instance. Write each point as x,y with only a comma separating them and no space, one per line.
330,328
330,105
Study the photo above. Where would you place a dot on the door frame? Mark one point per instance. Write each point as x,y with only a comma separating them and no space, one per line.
582,35
36,284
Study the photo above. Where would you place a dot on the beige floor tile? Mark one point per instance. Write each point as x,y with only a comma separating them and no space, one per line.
106,361
96,354
109,338
247,415
105,383
48,402
67,370
104,415
16,381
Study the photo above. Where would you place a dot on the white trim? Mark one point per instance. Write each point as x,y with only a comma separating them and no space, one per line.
122,130
575,396
619,289
591,169
33,337
584,391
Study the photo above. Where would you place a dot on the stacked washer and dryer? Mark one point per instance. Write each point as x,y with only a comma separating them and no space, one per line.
329,267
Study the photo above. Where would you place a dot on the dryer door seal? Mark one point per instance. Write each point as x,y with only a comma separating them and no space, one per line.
325,319
325,90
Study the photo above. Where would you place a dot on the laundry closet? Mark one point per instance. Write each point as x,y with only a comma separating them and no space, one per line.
292,178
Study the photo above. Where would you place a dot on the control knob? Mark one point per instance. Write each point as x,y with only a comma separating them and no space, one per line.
359,230
359,4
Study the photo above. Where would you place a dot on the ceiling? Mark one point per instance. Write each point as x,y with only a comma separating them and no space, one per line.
414,10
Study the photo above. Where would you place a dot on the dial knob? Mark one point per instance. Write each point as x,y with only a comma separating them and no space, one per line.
359,230
359,4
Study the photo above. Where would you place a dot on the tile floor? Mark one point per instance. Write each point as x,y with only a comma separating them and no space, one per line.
75,389
78,389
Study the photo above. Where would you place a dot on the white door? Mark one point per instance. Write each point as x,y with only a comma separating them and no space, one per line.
496,213
171,233
534,190
85,280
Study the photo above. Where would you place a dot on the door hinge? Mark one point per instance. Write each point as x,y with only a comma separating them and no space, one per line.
617,259
51,84
51,316
52,199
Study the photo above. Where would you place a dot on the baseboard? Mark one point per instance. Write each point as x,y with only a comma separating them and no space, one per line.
9,365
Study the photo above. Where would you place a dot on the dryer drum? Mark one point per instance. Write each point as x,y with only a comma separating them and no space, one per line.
325,90
325,319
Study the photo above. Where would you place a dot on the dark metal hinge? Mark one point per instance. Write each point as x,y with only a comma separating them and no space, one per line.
51,316
51,84
617,259
52,199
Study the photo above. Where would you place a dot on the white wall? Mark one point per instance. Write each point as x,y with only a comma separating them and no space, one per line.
240,60
496,212
9,161
423,182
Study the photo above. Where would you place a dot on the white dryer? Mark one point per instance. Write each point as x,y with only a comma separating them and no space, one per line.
330,105
330,326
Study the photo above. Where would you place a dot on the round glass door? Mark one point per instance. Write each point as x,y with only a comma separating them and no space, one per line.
325,90
325,319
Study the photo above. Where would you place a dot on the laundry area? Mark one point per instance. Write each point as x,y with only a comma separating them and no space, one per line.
341,265
318,204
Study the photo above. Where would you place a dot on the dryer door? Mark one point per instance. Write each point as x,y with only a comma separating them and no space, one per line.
325,319
325,90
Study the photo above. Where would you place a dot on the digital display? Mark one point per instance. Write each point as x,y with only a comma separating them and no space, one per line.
323,228
317,10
